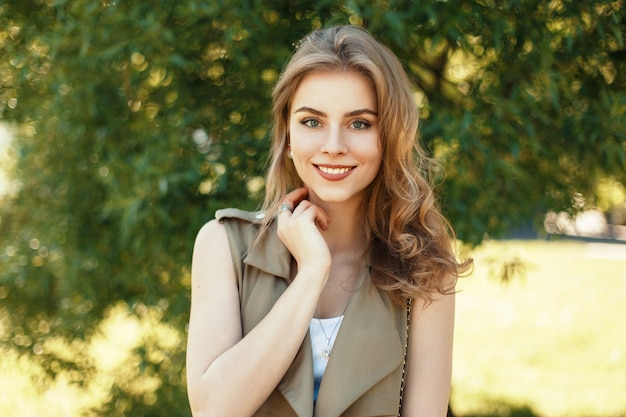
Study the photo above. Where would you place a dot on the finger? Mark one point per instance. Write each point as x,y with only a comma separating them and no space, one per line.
315,213
285,208
321,218
302,206
296,196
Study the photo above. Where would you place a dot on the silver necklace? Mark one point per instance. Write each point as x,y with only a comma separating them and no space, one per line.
325,353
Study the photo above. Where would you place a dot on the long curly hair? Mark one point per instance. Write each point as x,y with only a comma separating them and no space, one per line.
410,241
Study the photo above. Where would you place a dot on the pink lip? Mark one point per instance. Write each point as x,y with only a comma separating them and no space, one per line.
332,176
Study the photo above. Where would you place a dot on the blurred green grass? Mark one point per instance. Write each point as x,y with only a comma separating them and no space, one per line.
550,342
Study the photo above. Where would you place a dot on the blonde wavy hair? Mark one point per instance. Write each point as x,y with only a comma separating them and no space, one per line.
410,240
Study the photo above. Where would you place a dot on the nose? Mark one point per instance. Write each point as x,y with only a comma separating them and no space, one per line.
335,143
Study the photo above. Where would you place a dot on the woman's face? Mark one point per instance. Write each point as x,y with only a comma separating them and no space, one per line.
333,130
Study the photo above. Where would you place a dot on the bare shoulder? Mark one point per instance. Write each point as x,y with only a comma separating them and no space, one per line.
438,302
212,269
239,225
212,272
212,232
211,248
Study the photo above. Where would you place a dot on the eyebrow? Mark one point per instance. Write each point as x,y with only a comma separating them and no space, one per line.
305,109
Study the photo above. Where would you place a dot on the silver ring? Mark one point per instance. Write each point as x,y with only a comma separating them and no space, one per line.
285,207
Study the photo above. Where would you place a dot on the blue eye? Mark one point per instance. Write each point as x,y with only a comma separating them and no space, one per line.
360,124
311,123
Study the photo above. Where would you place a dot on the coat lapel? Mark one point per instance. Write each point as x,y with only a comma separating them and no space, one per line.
270,254
367,349
297,384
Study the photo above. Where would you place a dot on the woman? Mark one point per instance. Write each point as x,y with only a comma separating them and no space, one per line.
301,309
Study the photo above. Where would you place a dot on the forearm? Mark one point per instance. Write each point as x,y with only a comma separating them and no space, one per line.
238,381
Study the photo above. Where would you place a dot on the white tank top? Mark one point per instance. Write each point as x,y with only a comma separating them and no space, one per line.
323,334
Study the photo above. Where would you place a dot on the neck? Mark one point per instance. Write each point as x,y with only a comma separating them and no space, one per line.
346,232
346,239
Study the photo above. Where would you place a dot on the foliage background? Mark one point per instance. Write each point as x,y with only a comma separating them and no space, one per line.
133,123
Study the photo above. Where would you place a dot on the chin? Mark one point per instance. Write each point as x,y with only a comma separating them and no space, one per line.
336,197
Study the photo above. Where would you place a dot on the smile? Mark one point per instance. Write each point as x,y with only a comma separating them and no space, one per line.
333,171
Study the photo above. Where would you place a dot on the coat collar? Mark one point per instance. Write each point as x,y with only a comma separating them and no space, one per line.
270,254
367,349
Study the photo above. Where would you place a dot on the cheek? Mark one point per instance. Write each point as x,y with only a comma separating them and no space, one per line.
299,154
303,142
377,168
300,149
370,150
375,159
295,134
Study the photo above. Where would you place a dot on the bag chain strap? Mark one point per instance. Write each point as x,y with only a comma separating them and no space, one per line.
406,348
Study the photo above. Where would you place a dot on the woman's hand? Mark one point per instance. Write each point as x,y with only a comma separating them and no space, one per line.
300,231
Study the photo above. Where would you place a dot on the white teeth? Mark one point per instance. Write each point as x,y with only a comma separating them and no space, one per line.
333,171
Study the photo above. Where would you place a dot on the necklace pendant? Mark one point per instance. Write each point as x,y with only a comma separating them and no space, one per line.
325,353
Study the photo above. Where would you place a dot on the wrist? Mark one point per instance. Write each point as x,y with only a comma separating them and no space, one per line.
318,271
